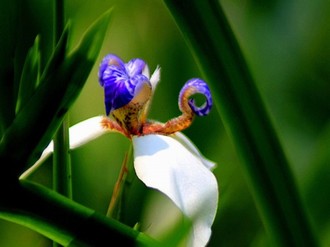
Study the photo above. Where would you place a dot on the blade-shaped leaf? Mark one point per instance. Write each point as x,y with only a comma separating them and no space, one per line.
54,216
8,34
58,55
64,220
59,87
30,76
216,50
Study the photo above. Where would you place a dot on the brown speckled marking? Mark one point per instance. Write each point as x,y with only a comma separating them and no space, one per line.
128,117
112,125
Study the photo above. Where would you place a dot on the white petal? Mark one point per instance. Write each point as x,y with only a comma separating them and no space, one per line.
163,163
80,134
86,131
155,77
185,141
44,156
146,71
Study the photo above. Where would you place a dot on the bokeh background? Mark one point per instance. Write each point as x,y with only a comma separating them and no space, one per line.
287,47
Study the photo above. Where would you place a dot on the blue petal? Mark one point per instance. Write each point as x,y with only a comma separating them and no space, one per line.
119,80
197,85
135,67
116,94
119,89
109,60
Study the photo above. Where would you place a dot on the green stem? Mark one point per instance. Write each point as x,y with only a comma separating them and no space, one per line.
207,32
61,160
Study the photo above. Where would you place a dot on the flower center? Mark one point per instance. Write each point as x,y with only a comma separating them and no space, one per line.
131,116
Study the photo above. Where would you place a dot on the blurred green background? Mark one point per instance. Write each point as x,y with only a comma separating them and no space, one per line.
287,47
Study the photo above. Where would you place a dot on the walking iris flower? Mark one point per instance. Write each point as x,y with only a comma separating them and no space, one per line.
164,158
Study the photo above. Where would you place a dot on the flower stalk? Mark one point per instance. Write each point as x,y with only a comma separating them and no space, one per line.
114,206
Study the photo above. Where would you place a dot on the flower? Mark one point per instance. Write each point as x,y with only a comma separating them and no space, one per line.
128,91
164,158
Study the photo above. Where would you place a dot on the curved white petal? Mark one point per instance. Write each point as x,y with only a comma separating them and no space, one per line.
86,131
163,163
80,134
185,141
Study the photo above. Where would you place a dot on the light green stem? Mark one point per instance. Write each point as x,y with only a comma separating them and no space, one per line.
114,208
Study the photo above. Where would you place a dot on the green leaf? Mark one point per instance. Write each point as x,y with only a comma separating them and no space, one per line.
30,76
20,22
8,33
59,87
34,206
58,56
93,38
65,221
211,40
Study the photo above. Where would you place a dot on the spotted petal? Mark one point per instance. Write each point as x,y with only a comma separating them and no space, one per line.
165,164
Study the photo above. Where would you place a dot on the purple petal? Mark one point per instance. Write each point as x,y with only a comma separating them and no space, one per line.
119,80
135,67
196,86
119,89
108,60
116,94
